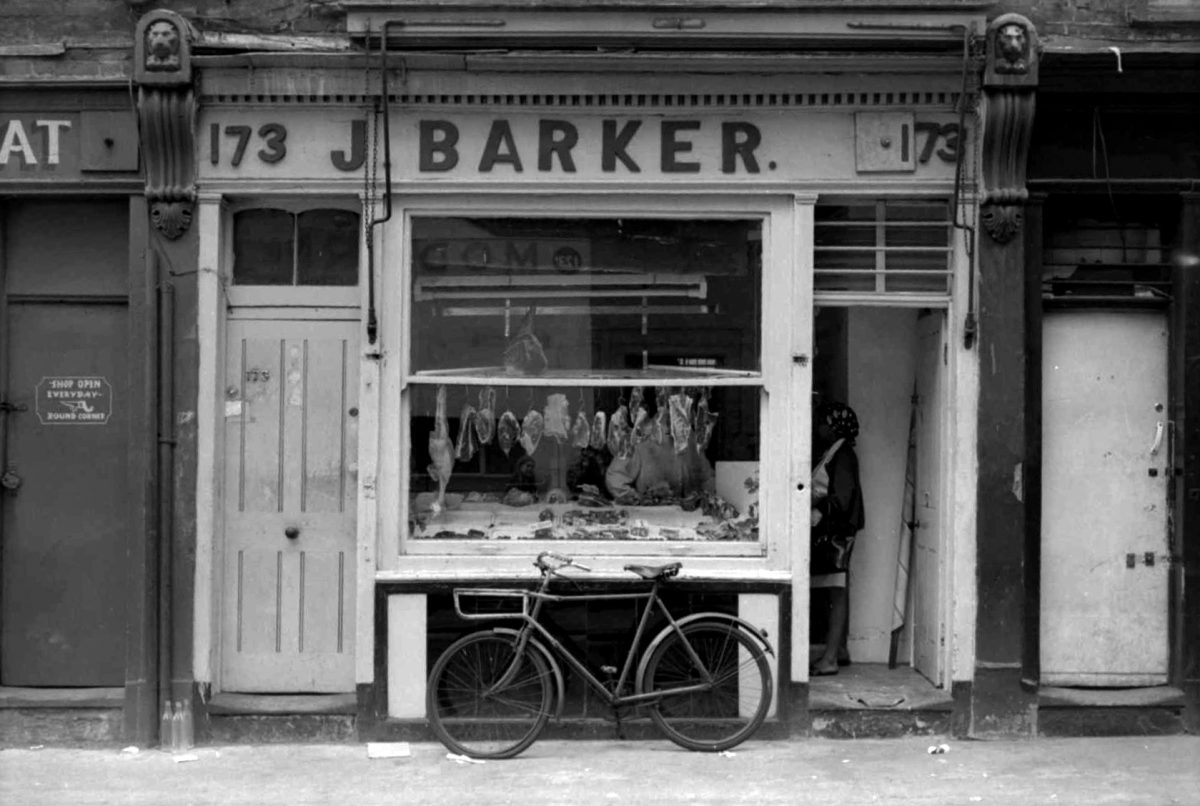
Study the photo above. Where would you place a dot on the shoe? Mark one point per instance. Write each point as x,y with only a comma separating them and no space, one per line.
817,671
843,660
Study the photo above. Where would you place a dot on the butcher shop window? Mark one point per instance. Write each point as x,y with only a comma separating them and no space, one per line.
585,379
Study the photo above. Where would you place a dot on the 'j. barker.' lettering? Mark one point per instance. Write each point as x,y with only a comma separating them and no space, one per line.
556,147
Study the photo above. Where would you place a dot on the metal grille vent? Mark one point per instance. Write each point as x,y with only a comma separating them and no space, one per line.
877,247
1091,258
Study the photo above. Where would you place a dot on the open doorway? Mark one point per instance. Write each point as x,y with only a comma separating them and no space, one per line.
889,365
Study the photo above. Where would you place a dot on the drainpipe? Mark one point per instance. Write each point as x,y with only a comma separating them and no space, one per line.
385,110
166,487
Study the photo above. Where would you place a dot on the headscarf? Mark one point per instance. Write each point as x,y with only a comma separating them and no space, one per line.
840,418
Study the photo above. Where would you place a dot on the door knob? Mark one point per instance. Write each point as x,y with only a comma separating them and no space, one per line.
10,480
291,533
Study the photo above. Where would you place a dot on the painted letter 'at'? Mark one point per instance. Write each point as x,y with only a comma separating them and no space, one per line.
614,144
500,136
556,137
739,140
438,139
53,128
671,146
358,148
16,140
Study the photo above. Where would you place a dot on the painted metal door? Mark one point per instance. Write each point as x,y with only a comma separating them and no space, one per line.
1104,499
67,519
65,502
928,557
289,501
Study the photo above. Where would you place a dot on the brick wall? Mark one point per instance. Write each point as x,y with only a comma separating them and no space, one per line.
27,21
1116,20
93,39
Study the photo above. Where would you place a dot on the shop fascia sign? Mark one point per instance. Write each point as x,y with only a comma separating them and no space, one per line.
56,146
32,142
529,146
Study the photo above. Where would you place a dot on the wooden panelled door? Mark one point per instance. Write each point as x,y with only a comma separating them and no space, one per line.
289,500
1105,453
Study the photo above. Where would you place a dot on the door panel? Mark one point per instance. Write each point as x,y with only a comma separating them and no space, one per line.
63,544
1104,387
927,558
290,475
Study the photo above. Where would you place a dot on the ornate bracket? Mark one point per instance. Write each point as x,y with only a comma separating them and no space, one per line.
1009,87
166,118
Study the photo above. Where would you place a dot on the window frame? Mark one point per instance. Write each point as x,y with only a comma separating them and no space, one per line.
774,213
881,296
287,296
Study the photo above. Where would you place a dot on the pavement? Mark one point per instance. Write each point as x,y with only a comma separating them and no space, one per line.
1032,772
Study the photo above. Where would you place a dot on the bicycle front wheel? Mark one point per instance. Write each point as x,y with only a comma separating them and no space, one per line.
735,696
473,716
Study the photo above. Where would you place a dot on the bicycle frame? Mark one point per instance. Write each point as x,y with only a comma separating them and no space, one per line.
532,602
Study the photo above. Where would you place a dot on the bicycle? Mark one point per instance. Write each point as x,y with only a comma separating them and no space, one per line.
704,678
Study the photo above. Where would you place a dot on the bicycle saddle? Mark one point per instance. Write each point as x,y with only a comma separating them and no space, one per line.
660,572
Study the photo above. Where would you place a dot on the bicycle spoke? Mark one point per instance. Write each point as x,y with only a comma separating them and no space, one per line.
472,718
736,681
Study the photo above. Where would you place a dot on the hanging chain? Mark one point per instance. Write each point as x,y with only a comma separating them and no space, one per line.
371,169
372,144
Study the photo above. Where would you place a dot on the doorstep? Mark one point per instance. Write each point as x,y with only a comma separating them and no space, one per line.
871,700
232,718
227,703
1142,711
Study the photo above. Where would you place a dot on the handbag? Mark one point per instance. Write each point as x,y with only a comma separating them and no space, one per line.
829,554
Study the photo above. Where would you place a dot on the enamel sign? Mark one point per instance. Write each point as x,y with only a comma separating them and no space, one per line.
74,400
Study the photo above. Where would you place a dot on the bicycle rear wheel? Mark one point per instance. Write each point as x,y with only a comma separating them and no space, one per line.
472,718
731,708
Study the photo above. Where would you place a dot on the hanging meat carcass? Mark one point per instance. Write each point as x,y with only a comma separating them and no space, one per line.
468,441
441,451
508,431
532,428
581,432
681,420
706,421
556,418
618,432
639,417
524,354
661,428
599,431
485,418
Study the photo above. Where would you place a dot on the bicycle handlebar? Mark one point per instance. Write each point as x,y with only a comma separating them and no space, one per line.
562,561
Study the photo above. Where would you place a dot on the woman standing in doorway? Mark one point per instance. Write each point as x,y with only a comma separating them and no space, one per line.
837,516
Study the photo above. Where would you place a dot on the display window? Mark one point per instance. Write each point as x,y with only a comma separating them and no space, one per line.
588,379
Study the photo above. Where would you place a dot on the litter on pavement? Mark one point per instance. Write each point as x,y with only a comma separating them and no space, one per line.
388,750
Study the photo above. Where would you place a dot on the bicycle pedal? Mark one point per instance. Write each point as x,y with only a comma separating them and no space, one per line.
609,670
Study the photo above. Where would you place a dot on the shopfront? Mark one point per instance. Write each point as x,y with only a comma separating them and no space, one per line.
72,376
473,314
